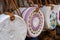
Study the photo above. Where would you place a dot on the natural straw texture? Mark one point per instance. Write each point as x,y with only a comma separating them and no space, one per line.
12,30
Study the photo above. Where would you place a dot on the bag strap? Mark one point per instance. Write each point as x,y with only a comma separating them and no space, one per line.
54,1
46,3
9,12
59,1
1,10
13,2
39,6
3,5
23,3
31,2
7,5
52,7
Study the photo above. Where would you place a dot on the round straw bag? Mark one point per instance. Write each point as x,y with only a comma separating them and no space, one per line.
50,17
53,17
34,21
12,30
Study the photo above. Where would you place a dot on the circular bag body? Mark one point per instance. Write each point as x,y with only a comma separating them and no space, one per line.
50,17
34,21
12,30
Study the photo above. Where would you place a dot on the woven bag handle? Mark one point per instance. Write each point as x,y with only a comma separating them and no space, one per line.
15,6
39,5
51,2
31,2
1,9
9,12
46,3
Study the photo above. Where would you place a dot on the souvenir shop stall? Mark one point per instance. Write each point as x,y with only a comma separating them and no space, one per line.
29,19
